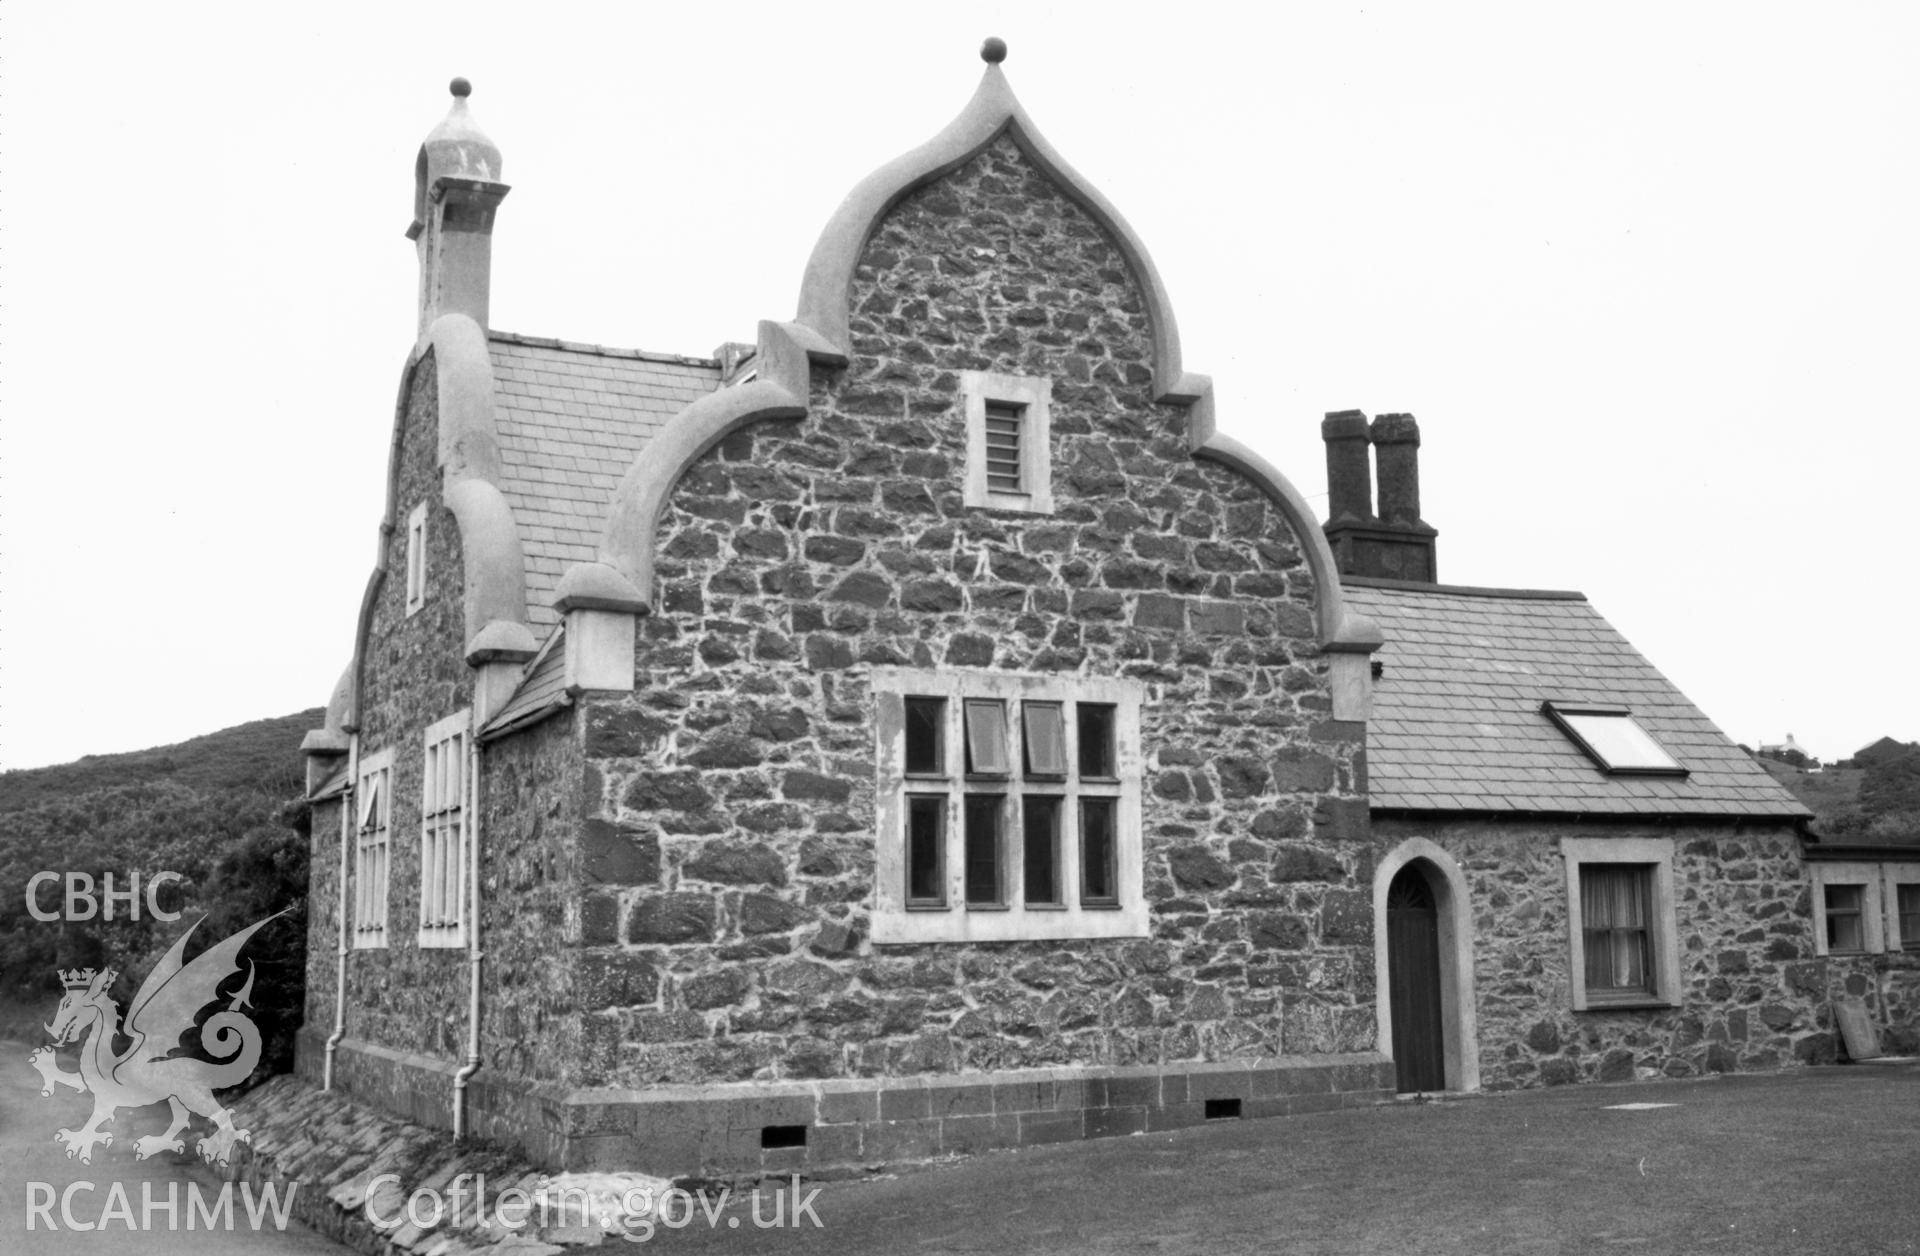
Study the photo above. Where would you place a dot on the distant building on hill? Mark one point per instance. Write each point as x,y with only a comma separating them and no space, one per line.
1788,751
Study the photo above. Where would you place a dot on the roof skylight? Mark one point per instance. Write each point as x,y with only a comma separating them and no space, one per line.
1612,738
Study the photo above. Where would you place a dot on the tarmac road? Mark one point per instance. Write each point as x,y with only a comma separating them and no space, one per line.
35,1170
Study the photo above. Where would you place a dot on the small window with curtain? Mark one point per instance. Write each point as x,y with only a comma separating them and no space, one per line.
1907,898
1616,914
1623,930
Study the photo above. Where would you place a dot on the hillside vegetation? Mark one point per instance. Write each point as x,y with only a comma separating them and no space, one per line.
216,811
1873,797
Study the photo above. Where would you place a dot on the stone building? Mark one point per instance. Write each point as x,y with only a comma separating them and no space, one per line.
1575,875
922,730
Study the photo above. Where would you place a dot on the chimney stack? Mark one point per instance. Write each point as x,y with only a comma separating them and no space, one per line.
456,191
1392,543
1349,476
1396,446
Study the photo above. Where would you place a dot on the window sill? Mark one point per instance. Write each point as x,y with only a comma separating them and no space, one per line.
1638,1003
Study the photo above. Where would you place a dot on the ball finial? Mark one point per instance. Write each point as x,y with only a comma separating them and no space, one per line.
461,88
994,51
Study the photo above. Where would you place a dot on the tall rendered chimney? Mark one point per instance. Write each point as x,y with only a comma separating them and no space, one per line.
456,191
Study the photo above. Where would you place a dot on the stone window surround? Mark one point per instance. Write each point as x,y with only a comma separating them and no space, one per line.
893,922
1880,904
1665,968
1034,397
452,730
417,558
369,915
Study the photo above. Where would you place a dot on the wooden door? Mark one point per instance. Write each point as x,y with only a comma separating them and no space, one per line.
1413,983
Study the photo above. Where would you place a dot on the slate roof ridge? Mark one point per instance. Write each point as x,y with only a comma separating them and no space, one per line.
1463,590
605,351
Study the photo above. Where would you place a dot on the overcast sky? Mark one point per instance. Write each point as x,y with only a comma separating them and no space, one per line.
1646,273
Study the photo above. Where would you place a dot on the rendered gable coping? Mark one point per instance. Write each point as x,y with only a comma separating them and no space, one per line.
787,353
494,579
992,111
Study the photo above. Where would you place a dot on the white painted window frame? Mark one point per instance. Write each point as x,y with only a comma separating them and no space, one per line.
1034,397
1658,852
893,921
372,850
445,812
417,558
1875,910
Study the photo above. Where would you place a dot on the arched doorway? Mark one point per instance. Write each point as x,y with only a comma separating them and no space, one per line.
1413,981
1423,968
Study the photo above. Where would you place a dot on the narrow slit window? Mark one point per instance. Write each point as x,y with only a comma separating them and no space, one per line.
1846,924
1005,430
1046,738
986,738
984,867
1096,740
1041,822
926,737
417,558
926,849
1097,844
1909,904
1616,916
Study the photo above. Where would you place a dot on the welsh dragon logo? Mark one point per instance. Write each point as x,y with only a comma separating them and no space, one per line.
160,1015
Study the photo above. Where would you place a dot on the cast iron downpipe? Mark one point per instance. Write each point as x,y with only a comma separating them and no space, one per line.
347,797
470,811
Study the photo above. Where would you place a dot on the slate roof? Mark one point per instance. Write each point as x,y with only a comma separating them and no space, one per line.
540,692
1457,724
571,418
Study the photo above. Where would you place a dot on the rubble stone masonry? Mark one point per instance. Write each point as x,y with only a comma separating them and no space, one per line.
401,996
729,839
1753,994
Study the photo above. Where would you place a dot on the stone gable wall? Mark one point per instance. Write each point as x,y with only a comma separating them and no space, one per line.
797,555
530,903
413,674
1755,995
323,920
